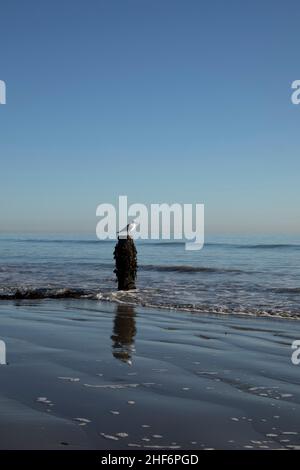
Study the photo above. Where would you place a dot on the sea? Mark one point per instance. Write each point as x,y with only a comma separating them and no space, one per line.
240,275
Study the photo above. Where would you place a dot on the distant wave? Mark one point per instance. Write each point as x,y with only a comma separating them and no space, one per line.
143,267
186,269
169,243
162,243
59,241
287,290
255,246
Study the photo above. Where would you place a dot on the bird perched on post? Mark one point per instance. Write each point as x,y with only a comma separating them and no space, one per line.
129,229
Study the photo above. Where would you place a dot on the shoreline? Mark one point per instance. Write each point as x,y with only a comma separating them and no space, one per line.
76,294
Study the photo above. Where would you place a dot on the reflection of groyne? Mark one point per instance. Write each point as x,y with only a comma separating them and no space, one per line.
2,353
124,331
125,255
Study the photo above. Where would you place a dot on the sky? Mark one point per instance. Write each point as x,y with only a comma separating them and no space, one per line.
185,101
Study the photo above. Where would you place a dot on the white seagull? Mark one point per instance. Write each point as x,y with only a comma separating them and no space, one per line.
129,229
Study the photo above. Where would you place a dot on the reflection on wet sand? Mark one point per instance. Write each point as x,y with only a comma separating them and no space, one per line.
124,331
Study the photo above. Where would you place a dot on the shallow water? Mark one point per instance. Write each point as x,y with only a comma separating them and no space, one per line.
256,275
83,374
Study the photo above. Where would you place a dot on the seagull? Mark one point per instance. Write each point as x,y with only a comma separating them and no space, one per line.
130,228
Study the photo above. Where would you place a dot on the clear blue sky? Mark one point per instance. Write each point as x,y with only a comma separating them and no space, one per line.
162,100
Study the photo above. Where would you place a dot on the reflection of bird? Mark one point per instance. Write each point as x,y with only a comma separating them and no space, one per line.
129,229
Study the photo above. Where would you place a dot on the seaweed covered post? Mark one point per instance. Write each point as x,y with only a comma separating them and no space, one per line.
125,255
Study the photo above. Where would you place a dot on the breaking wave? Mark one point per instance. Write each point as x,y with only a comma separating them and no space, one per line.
150,298
45,293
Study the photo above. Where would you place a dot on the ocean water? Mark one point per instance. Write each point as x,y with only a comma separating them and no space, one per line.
238,275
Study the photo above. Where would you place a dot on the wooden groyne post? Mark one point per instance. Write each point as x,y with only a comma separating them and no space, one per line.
125,255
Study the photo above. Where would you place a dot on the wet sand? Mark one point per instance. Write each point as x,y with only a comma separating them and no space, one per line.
83,374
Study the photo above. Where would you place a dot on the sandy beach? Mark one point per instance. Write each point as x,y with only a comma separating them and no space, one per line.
83,374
